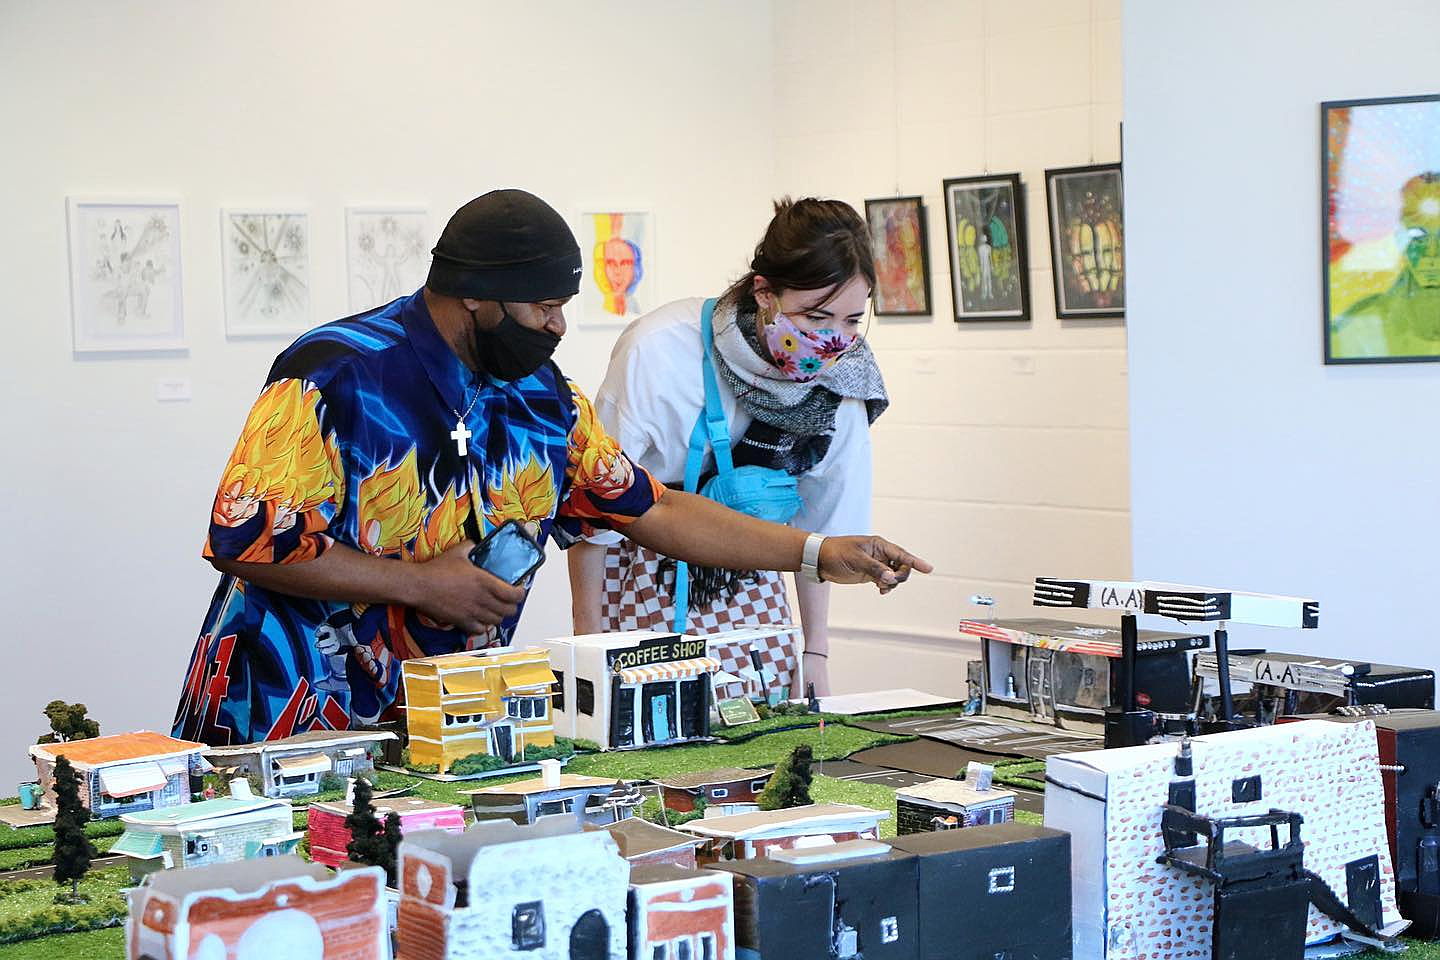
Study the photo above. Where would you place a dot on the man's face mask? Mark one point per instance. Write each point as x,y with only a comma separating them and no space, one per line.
512,351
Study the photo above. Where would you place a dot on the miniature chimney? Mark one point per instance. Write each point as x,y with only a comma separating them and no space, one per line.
240,789
550,773
980,776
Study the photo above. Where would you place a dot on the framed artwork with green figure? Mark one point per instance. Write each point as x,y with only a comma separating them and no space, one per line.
1380,218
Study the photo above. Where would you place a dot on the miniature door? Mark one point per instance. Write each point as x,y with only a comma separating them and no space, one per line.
504,741
590,937
1038,676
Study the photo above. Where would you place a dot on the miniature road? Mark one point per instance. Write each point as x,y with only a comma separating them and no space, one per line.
46,871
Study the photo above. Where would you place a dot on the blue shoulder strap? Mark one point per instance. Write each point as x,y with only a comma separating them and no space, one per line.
710,427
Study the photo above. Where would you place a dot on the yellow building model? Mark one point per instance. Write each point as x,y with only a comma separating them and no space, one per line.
493,703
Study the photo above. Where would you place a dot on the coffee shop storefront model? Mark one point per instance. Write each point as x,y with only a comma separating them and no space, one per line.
636,689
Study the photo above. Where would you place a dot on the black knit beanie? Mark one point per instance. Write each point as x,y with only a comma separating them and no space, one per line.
506,245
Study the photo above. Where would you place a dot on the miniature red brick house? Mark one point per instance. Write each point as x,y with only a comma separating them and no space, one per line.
270,908
329,836
730,790
680,914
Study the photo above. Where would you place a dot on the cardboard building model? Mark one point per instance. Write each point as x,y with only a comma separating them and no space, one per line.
278,907
638,689
843,901
1112,803
1289,683
124,773
944,804
223,830
489,702
548,891
329,837
750,835
595,800
681,914
730,790
294,766
643,842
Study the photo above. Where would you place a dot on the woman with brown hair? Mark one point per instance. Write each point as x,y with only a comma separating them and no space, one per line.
761,399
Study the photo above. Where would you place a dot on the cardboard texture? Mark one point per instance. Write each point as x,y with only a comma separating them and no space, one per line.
1111,802
624,690
999,891
490,702
681,914
223,830
548,891
277,907
596,800
722,790
750,835
1317,684
294,766
1179,601
645,843
329,836
124,773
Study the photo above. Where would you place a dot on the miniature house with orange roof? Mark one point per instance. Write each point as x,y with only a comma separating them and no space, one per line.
124,773
494,703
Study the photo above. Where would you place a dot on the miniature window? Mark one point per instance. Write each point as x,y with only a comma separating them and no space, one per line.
889,929
557,690
707,946
1245,789
527,926
512,707
682,949
757,785
538,706
585,697
720,793
1002,880
662,951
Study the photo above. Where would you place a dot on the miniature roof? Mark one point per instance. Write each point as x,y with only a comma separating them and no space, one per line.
818,817
384,805
644,873
637,837
942,790
831,852
705,778
1086,638
524,788
187,814
1179,601
613,641
484,659
119,748
241,876
314,739
941,842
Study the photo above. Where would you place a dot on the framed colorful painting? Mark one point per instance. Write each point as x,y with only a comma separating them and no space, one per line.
1380,214
618,249
984,224
1087,240
902,263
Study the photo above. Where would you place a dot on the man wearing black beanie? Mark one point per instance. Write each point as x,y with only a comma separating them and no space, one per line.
385,445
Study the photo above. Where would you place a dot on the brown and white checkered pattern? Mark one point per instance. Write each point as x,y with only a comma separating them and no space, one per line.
635,598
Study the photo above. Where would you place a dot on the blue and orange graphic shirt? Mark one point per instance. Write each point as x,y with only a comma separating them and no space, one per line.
350,442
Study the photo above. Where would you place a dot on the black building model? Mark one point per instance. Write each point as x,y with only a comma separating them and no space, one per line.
1292,683
986,892
845,901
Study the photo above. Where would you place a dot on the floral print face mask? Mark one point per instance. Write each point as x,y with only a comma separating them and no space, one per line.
802,355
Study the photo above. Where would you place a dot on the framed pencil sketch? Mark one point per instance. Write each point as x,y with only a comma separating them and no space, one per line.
265,255
618,249
387,253
1087,240
989,270
902,263
1380,219
125,290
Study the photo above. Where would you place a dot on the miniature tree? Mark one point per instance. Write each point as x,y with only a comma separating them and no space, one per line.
367,834
72,848
789,785
68,721
392,849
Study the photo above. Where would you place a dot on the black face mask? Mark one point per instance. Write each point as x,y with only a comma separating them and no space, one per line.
511,351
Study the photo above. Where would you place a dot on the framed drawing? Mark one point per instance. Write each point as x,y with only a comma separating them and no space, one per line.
125,275
902,263
387,253
618,248
1380,214
989,272
265,253
1087,240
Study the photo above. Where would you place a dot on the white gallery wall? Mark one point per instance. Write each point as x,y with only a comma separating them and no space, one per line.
1253,464
1003,456
107,492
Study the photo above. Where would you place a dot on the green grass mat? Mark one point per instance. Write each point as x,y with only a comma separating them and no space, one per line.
28,908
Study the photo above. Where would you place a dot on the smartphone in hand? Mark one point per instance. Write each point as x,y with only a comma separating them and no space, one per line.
509,553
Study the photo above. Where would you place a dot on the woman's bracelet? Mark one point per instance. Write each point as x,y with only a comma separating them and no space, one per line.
817,653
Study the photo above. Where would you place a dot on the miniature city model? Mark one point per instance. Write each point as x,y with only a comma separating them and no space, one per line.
124,773
277,907
747,836
1112,803
642,842
842,901
951,804
624,690
294,766
594,800
329,837
543,892
241,826
492,703
680,914
726,791
1289,683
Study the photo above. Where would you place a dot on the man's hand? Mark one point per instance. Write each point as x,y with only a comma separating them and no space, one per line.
858,559
450,589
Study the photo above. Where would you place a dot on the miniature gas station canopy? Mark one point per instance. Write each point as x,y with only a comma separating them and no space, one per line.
1179,602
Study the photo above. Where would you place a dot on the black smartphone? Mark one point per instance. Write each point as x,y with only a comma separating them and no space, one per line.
509,553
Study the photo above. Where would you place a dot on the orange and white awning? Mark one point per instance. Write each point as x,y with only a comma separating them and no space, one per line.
674,670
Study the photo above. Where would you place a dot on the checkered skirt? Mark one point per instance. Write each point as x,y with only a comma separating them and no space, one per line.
639,596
